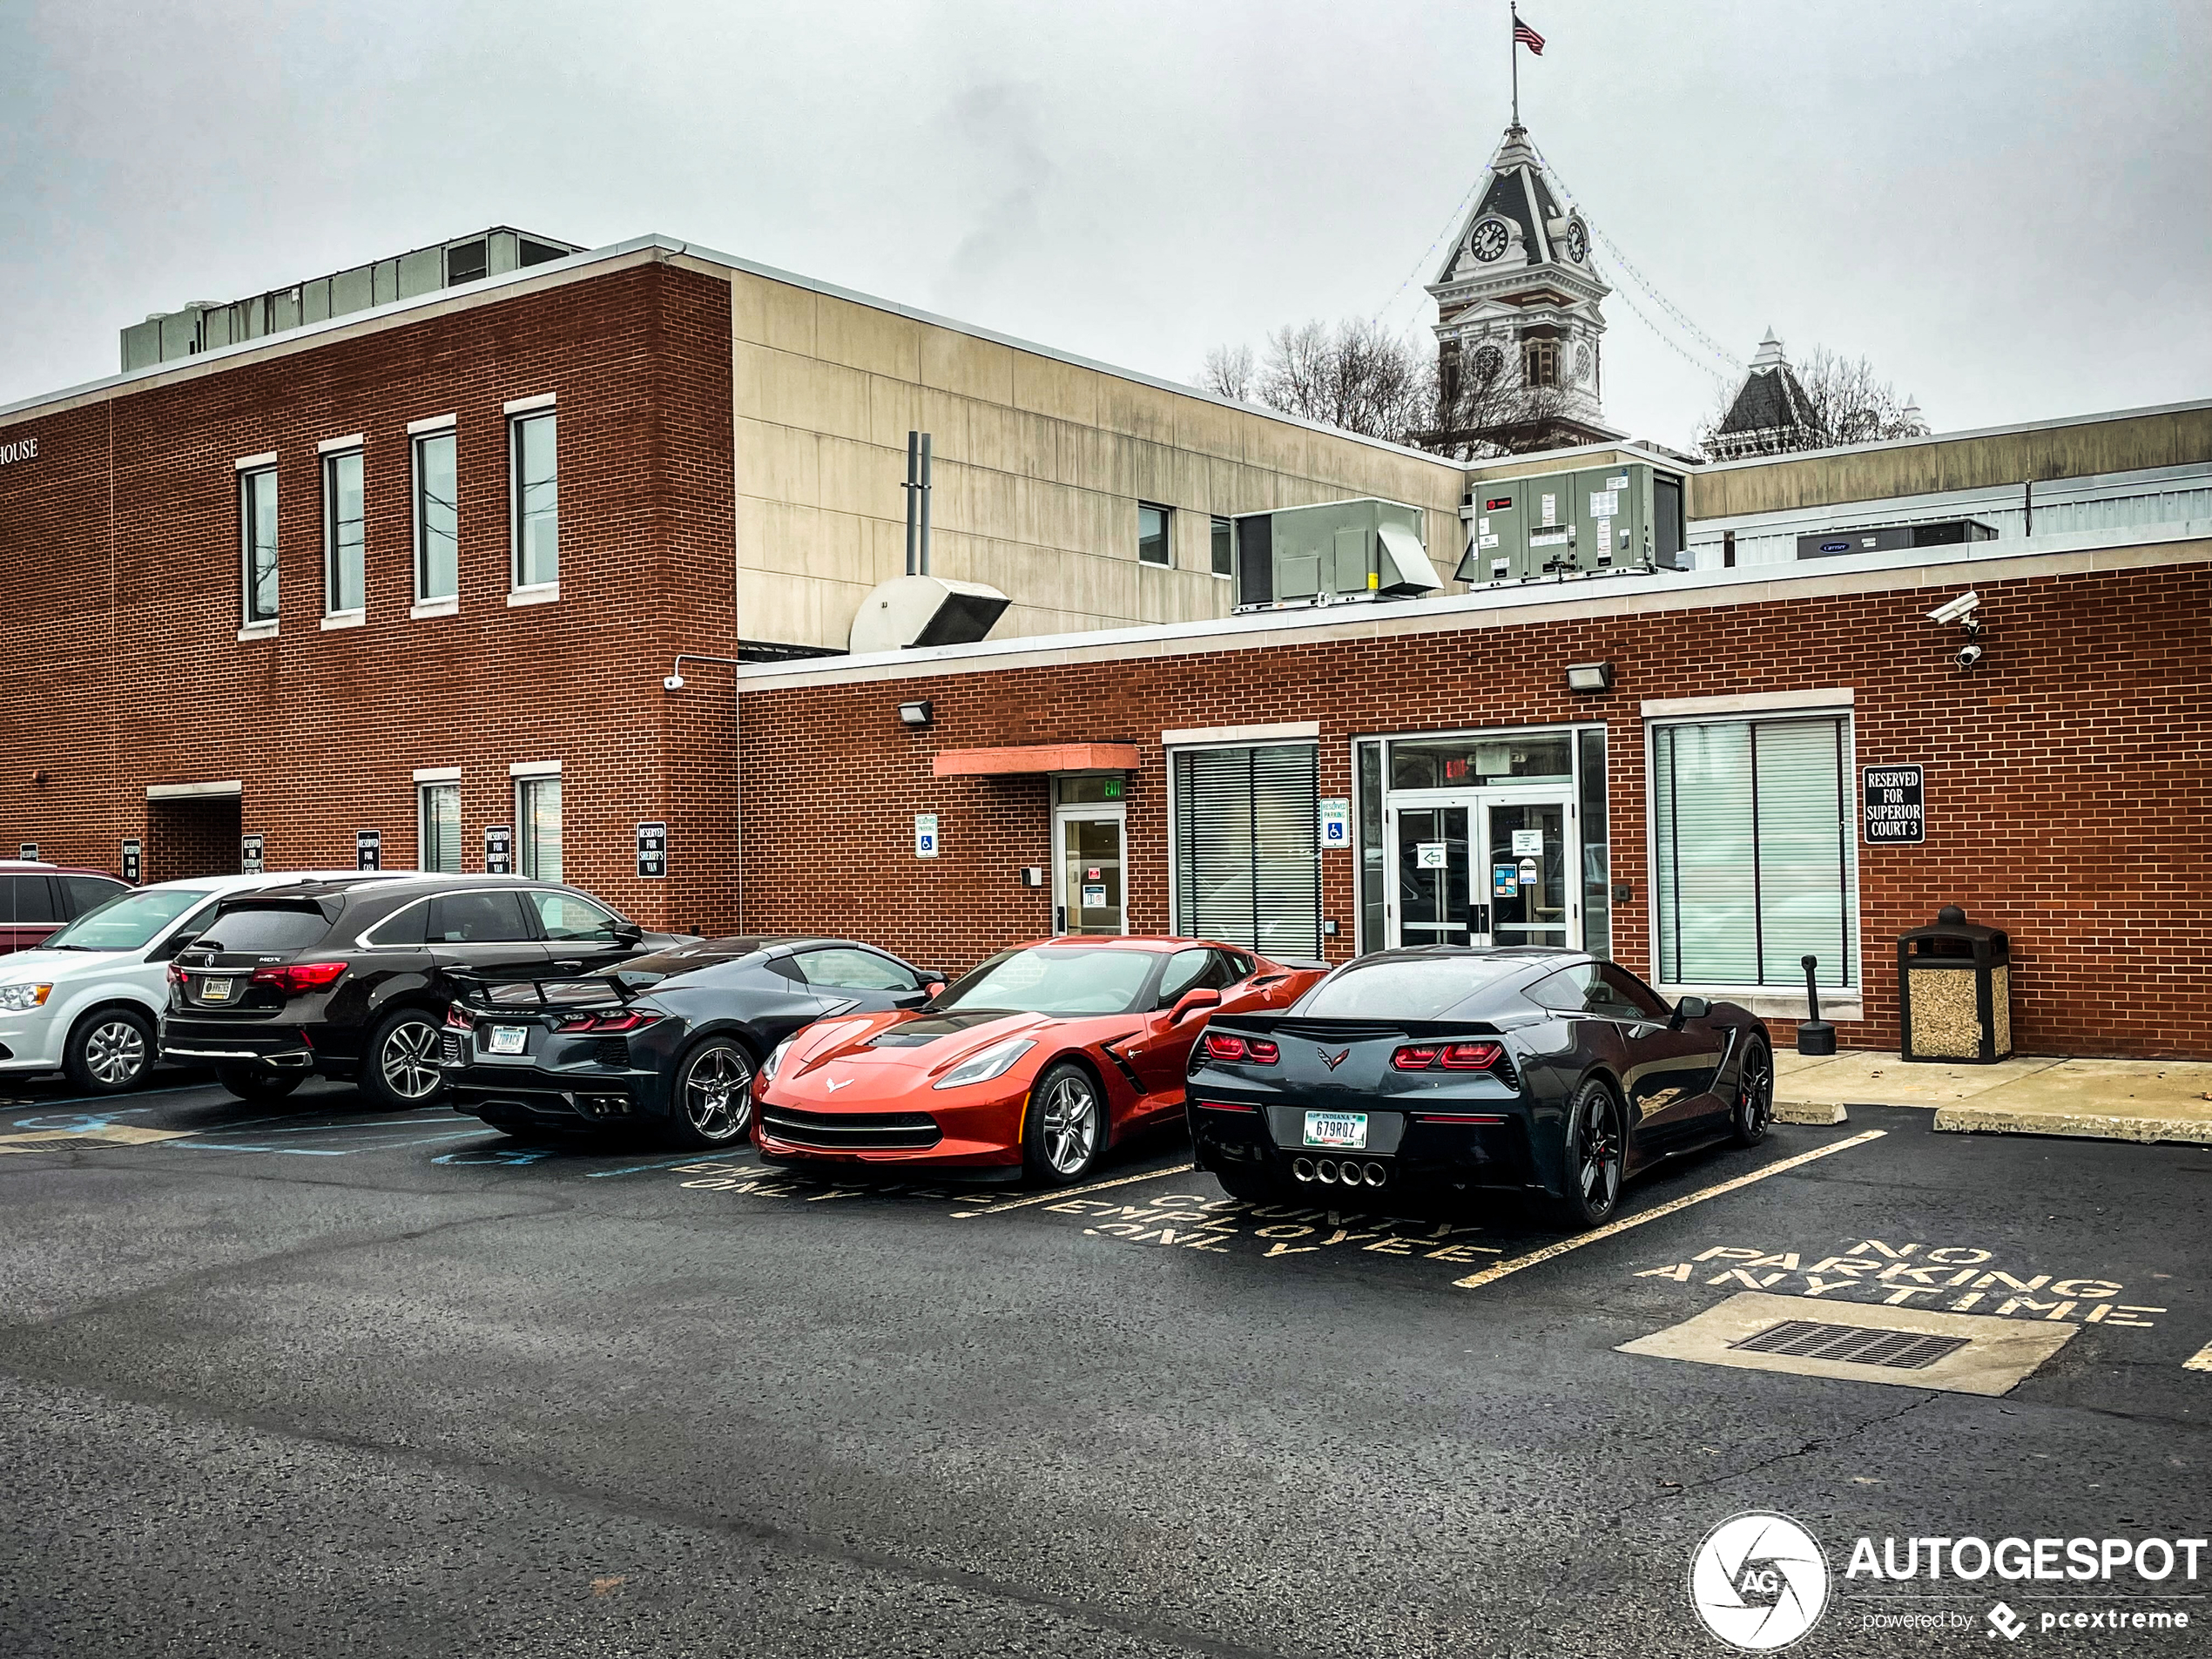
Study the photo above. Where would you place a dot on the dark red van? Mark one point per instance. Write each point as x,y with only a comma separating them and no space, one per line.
37,899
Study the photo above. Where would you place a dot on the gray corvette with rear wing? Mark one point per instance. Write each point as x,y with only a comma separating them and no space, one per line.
1449,1068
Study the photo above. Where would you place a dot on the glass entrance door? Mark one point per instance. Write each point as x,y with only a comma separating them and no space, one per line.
1527,869
1087,872
1483,870
1435,904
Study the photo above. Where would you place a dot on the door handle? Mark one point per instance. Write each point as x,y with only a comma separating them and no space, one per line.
569,965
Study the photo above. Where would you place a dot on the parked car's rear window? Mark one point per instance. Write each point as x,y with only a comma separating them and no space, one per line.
1402,988
266,927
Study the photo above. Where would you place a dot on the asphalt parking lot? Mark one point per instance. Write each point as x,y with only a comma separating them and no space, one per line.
317,1380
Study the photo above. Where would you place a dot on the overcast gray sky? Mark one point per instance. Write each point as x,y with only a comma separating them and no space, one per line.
2008,205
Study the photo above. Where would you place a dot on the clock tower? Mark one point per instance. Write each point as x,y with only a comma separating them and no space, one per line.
1518,326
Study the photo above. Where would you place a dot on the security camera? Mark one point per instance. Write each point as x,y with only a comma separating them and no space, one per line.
673,683
1957,610
1967,656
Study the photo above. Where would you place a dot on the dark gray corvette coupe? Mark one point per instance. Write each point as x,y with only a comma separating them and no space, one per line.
1446,1068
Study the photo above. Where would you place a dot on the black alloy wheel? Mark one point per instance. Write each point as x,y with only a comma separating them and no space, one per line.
111,1049
400,1071
1597,1157
259,1087
1754,1095
1063,1132
711,1102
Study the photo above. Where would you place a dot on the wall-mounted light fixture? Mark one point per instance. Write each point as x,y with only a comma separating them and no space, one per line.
915,714
1590,677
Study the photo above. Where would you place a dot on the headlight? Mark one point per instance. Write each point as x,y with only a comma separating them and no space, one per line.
776,1057
992,1063
21,999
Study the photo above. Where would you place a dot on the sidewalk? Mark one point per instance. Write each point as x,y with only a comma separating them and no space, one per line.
2113,1100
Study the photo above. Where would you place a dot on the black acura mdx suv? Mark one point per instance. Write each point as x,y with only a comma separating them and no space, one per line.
352,979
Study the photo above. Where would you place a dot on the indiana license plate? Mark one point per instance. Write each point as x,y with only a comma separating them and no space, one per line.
1346,1130
215,990
510,1039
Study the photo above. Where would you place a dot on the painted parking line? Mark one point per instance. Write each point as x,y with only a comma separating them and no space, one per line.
1499,1270
2200,1360
1058,1193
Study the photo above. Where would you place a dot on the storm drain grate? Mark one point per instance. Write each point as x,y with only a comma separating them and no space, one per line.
1853,1344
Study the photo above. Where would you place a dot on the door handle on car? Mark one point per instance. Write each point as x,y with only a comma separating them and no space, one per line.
570,965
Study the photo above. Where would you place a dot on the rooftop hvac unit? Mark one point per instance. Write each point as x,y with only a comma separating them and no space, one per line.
1595,522
915,610
1889,538
1336,552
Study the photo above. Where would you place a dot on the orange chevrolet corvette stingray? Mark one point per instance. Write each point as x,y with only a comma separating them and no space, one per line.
1034,1064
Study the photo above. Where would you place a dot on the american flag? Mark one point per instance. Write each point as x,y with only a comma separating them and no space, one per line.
1524,35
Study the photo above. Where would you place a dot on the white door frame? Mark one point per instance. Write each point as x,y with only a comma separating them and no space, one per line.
1085,812
1477,803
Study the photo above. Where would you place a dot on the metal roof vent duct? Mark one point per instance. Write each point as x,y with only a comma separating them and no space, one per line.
915,610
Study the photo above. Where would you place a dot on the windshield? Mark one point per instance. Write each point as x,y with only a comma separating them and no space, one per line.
1053,979
128,921
1398,988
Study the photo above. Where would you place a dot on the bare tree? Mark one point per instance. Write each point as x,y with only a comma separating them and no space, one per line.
1230,372
1357,376
1845,402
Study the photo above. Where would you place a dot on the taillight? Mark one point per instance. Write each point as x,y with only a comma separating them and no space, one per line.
293,978
176,974
458,1018
1449,1057
629,1021
1259,1051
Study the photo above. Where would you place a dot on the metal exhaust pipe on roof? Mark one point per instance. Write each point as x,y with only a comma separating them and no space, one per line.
925,503
913,500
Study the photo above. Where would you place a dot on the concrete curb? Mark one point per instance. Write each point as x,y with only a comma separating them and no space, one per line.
2097,1126
1810,1111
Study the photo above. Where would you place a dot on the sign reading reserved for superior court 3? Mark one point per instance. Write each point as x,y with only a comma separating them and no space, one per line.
1893,808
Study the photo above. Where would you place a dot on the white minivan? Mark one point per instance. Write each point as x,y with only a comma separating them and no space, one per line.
87,1002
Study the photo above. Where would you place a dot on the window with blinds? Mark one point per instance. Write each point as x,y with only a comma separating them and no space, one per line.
1248,847
1753,855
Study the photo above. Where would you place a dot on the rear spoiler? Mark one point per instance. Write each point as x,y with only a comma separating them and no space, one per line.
1292,1025
536,993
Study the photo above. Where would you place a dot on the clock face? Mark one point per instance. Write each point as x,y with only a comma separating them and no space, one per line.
1578,241
1489,239
1488,362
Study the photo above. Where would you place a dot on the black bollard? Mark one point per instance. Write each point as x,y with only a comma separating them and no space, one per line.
1815,1035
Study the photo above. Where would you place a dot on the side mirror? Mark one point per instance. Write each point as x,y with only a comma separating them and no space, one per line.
933,987
1692,1007
1195,1002
628,932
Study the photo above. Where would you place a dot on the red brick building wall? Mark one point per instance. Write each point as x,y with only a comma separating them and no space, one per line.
120,665
2067,777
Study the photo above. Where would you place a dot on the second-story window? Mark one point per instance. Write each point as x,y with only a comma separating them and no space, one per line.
1224,546
537,501
1539,362
1152,534
257,518
344,572
437,522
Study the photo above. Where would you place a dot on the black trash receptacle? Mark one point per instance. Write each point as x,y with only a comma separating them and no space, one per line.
1954,991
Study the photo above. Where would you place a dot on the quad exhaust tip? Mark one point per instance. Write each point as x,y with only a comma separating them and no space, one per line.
1350,1173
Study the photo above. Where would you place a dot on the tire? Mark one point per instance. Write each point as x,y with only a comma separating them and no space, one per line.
111,1050
1063,1132
399,1072
260,1087
710,1103
1595,1158
1251,1188
1754,1108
